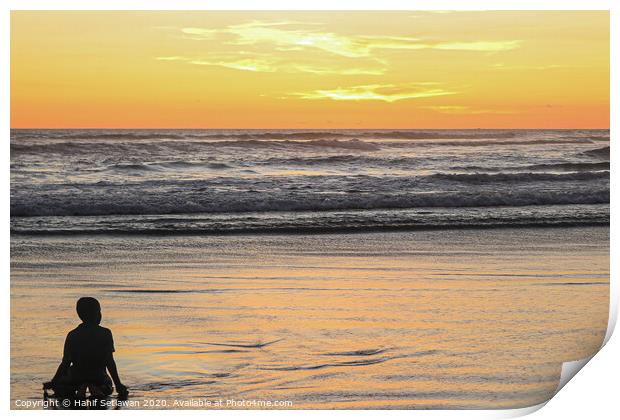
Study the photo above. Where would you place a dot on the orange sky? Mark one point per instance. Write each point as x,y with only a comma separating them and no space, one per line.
212,69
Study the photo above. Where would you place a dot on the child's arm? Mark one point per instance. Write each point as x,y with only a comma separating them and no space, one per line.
63,368
60,372
111,365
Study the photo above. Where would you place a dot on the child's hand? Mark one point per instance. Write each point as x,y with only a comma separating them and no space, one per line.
122,391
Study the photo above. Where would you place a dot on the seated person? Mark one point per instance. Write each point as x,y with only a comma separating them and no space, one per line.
87,354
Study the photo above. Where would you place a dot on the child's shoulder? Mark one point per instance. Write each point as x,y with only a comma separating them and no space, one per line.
83,329
74,331
105,330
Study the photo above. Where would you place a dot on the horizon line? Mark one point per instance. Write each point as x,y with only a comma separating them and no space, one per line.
307,128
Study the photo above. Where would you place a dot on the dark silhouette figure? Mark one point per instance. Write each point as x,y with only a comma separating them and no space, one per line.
87,354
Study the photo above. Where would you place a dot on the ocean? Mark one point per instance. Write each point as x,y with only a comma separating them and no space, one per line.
345,269
270,181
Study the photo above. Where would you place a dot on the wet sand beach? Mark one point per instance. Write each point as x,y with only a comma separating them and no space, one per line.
426,319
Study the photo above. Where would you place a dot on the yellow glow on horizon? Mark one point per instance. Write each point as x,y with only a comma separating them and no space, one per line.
212,69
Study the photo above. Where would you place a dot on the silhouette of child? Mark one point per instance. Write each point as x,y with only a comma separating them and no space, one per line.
87,354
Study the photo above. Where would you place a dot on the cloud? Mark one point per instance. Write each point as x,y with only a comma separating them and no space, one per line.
289,42
386,93
170,58
246,64
259,32
301,68
460,109
283,37
502,66
201,32
270,65
488,46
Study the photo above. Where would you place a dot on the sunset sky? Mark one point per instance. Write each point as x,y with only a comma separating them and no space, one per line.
316,69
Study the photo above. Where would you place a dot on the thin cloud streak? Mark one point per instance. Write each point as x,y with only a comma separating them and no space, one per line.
271,66
465,110
502,66
387,93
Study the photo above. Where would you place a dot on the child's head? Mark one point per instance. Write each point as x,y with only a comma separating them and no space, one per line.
89,310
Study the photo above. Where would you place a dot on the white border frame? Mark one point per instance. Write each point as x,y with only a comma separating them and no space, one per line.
597,384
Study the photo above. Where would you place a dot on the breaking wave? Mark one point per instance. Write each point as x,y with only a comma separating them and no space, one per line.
128,147
601,152
484,178
566,167
117,201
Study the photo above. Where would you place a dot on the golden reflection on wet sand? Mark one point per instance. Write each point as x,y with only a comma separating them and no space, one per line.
446,319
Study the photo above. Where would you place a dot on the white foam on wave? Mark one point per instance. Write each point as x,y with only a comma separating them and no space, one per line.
106,200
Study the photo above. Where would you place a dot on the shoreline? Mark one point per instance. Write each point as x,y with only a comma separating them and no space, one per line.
304,231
